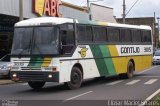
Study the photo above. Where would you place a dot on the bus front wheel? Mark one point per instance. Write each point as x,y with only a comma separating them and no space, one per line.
75,79
36,85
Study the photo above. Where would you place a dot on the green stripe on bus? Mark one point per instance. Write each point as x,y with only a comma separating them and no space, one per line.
110,64
36,62
104,65
108,61
99,60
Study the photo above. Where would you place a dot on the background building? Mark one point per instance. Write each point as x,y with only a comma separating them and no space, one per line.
102,13
144,21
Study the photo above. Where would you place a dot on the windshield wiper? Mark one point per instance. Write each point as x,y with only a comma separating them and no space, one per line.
22,50
35,46
38,49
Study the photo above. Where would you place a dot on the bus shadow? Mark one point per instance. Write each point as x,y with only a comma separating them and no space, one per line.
63,88
46,90
148,75
140,75
99,81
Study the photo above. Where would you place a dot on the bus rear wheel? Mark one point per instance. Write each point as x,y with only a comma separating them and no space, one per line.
130,70
75,79
36,85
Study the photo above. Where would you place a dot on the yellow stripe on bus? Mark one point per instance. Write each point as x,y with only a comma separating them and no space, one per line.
116,61
103,23
46,62
120,63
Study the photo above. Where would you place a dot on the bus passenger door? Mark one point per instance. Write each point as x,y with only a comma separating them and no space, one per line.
67,39
66,49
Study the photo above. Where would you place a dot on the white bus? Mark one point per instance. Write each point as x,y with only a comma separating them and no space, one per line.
51,49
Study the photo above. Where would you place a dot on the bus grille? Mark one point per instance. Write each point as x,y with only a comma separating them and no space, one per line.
29,76
30,68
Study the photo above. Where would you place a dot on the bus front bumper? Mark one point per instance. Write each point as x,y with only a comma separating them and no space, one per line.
34,76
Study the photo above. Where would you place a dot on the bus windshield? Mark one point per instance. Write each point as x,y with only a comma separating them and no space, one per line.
35,41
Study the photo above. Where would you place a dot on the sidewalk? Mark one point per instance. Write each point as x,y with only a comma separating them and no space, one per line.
6,81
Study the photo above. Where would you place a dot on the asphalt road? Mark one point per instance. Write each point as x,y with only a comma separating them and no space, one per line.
93,92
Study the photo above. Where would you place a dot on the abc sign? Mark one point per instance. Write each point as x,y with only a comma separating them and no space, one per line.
47,7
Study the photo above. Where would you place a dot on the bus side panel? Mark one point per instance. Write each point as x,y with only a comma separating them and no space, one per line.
83,56
90,69
103,60
146,62
142,60
87,61
118,62
64,75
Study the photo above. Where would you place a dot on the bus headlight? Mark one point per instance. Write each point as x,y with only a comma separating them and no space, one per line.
50,76
14,75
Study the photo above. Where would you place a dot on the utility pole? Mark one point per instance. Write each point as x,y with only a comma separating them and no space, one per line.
88,5
20,10
124,11
154,32
158,30
89,12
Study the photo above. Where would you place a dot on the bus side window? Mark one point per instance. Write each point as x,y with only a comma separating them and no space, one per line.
136,36
84,34
126,35
99,34
67,41
113,35
146,36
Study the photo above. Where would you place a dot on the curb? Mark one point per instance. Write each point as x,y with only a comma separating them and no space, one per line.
8,82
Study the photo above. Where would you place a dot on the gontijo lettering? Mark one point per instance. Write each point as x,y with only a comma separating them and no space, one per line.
130,50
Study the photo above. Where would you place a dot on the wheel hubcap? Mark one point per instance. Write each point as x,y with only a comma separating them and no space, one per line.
130,71
75,78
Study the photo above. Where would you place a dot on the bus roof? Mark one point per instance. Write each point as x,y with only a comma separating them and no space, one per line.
55,21
43,21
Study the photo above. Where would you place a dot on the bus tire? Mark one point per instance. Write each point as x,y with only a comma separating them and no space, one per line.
36,85
130,70
75,79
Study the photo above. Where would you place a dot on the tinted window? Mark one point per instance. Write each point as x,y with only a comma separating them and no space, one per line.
146,36
67,37
22,40
126,35
136,36
99,34
84,33
113,35
45,41
67,40
4,37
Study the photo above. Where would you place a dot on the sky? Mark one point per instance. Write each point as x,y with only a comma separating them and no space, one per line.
143,8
